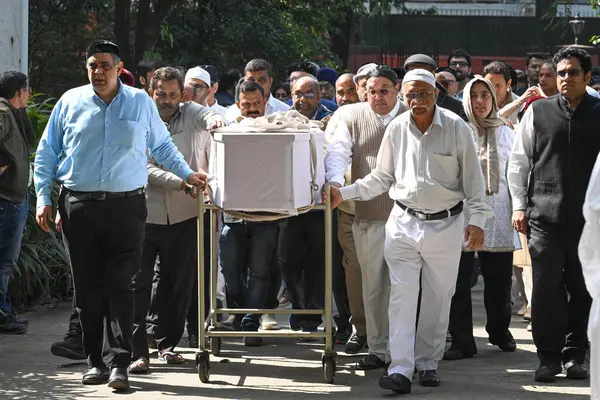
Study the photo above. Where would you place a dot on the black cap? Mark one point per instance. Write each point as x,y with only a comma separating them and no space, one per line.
101,46
420,59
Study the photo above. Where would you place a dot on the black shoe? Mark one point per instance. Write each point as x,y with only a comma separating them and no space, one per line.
253,341
118,379
429,378
396,382
71,347
355,344
506,344
575,370
343,335
193,341
458,353
95,376
19,320
547,373
371,361
151,340
9,325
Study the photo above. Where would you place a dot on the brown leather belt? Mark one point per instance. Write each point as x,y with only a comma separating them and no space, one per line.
457,209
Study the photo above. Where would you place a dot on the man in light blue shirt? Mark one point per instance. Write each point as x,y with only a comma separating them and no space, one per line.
95,146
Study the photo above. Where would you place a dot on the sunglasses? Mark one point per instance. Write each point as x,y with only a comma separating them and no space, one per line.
381,92
573,72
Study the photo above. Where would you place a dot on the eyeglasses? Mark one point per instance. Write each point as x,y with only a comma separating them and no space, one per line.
106,66
299,95
459,64
418,95
573,73
381,92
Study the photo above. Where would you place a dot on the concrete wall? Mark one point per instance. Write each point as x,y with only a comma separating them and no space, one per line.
13,35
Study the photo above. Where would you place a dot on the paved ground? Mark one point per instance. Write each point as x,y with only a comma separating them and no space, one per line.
282,369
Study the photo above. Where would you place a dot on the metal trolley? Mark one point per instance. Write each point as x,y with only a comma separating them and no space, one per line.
207,326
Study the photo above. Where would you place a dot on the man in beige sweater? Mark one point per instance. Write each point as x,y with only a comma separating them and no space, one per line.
356,142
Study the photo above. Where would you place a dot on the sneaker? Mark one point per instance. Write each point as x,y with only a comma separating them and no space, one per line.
192,341
268,323
343,335
356,344
71,346
9,325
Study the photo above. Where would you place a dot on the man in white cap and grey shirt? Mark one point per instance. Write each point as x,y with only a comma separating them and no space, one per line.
428,162
355,143
199,79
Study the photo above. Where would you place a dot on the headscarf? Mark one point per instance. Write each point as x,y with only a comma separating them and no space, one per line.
488,152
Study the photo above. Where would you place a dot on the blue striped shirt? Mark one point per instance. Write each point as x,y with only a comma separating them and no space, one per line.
89,146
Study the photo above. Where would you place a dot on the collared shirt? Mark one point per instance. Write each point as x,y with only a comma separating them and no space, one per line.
273,106
428,172
219,109
166,202
339,151
91,146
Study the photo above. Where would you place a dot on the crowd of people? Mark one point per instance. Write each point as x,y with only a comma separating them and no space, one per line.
437,174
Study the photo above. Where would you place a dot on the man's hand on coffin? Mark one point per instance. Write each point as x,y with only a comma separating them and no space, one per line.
197,179
217,123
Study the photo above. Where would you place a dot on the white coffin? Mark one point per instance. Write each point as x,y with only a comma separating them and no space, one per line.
265,171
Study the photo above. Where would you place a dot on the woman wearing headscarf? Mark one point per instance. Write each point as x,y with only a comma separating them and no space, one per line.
493,140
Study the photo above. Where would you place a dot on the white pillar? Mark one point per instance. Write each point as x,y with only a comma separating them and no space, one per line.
14,35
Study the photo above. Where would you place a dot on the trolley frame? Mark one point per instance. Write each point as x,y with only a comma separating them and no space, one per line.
207,323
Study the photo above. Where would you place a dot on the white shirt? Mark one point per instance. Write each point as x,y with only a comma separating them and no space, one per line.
273,106
520,164
339,150
589,249
428,172
219,109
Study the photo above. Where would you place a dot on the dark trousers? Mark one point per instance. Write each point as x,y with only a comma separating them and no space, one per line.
248,246
105,241
496,269
301,253
193,314
176,246
12,221
340,292
560,303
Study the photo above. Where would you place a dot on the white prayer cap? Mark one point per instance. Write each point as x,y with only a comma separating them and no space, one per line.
198,73
364,71
419,75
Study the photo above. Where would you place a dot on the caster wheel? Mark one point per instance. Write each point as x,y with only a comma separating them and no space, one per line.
215,346
203,365
329,369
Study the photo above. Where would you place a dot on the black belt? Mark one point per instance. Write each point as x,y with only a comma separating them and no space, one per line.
84,196
457,209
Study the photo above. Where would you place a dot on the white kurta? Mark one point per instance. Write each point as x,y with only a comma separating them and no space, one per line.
589,253
500,236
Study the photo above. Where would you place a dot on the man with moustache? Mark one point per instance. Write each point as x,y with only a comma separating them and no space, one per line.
171,225
427,161
261,72
95,145
347,280
460,62
247,248
355,143
548,174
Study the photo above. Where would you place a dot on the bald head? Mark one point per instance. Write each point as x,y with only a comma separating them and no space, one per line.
345,90
306,95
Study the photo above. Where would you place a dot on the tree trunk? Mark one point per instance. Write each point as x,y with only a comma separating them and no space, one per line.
148,24
121,30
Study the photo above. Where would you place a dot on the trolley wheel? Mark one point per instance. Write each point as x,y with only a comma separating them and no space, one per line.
215,346
329,368
203,366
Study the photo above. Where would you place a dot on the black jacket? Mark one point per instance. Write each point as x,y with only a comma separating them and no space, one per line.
450,103
16,135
